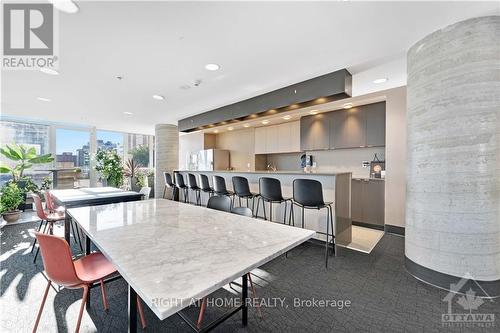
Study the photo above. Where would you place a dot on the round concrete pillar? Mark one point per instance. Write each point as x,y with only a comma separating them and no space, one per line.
453,190
166,154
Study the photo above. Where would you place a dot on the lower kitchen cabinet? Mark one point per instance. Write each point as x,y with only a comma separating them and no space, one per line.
368,201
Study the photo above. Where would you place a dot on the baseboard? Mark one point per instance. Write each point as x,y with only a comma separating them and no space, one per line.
368,225
394,229
444,281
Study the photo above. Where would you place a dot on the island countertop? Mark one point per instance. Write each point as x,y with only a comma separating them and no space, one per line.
278,172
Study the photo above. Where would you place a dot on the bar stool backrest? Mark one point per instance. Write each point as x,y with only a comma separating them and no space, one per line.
219,184
168,179
219,202
192,181
179,180
205,185
240,186
308,192
270,189
244,211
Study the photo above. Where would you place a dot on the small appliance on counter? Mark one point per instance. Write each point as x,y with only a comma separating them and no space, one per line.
306,162
209,160
376,167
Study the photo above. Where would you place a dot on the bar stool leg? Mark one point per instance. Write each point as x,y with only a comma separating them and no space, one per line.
284,215
270,211
264,207
333,232
303,217
327,234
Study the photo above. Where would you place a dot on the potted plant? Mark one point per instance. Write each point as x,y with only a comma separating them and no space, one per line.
11,198
24,158
109,165
132,172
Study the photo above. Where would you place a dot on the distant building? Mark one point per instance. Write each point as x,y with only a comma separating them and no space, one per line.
66,160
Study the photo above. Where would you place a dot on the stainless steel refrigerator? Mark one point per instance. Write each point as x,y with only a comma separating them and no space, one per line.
209,160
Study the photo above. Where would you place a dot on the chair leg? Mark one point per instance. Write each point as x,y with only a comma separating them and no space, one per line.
333,232
141,313
38,230
104,297
257,209
164,191
291,214
253,204
239,200
41,306
284,214
327,234
303,210
264,208
82,306
270,211
38,248
202,313
257,305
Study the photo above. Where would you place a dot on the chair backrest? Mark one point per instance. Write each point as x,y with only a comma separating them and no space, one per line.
49,201
245,211
270,188
38,207
240,186
179,180
57,260
145,191
168,179
192,183
205,185
308,192
219,184
219,202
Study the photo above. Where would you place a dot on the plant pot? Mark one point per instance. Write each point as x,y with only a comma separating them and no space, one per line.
133,184
13,216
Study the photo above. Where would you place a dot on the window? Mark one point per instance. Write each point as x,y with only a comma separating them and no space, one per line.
30,135
73,154
138,149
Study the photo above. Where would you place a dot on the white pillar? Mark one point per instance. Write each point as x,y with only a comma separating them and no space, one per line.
166,154
453,190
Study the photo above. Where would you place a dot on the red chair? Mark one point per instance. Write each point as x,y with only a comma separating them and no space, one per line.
81,273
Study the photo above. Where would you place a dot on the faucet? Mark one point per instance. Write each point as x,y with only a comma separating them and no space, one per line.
271,167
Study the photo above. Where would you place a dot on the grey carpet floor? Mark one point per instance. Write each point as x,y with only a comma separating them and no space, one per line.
377,293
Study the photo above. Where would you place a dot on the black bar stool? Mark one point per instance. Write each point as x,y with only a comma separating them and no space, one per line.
220,186
168,184
222,203
308,194
242,190
193,186
179,183
270,191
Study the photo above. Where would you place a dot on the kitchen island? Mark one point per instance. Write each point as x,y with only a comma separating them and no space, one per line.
336,189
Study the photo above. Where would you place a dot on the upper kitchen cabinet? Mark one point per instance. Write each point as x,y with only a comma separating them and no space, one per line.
348,128
282,138
315,132
375,124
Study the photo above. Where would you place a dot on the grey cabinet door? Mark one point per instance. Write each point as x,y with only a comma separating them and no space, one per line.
348,128
357,200
375,124
306,135
373,202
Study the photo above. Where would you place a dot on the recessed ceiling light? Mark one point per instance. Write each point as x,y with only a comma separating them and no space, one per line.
265,122
212,67
287,117
230,128
158,97
216,131
347,105
49,71
43,99
381,80
246,125
127,113
66,6
313,112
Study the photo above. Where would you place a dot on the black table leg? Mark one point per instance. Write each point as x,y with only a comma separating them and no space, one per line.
244,296
87,245
132,310
67,221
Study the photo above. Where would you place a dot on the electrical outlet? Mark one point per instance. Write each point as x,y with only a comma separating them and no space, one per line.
365,164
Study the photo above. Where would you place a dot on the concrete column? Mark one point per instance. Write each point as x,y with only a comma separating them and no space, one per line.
166,154
453,189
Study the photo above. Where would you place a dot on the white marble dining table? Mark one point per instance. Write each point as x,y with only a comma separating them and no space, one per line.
172,253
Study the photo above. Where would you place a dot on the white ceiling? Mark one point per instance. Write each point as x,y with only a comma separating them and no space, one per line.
261,46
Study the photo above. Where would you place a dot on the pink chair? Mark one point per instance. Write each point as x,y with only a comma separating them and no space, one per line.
81,273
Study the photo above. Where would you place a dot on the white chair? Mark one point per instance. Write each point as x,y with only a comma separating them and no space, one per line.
145,191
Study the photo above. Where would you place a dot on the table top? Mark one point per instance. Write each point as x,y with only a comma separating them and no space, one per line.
173,253
92,195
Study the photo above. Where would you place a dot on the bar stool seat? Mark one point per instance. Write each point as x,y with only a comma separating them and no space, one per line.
308,194
242,190
270,191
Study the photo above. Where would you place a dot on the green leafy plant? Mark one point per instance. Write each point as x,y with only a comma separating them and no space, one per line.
131,168
141,155
11,198
142,176
25,158
109,165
